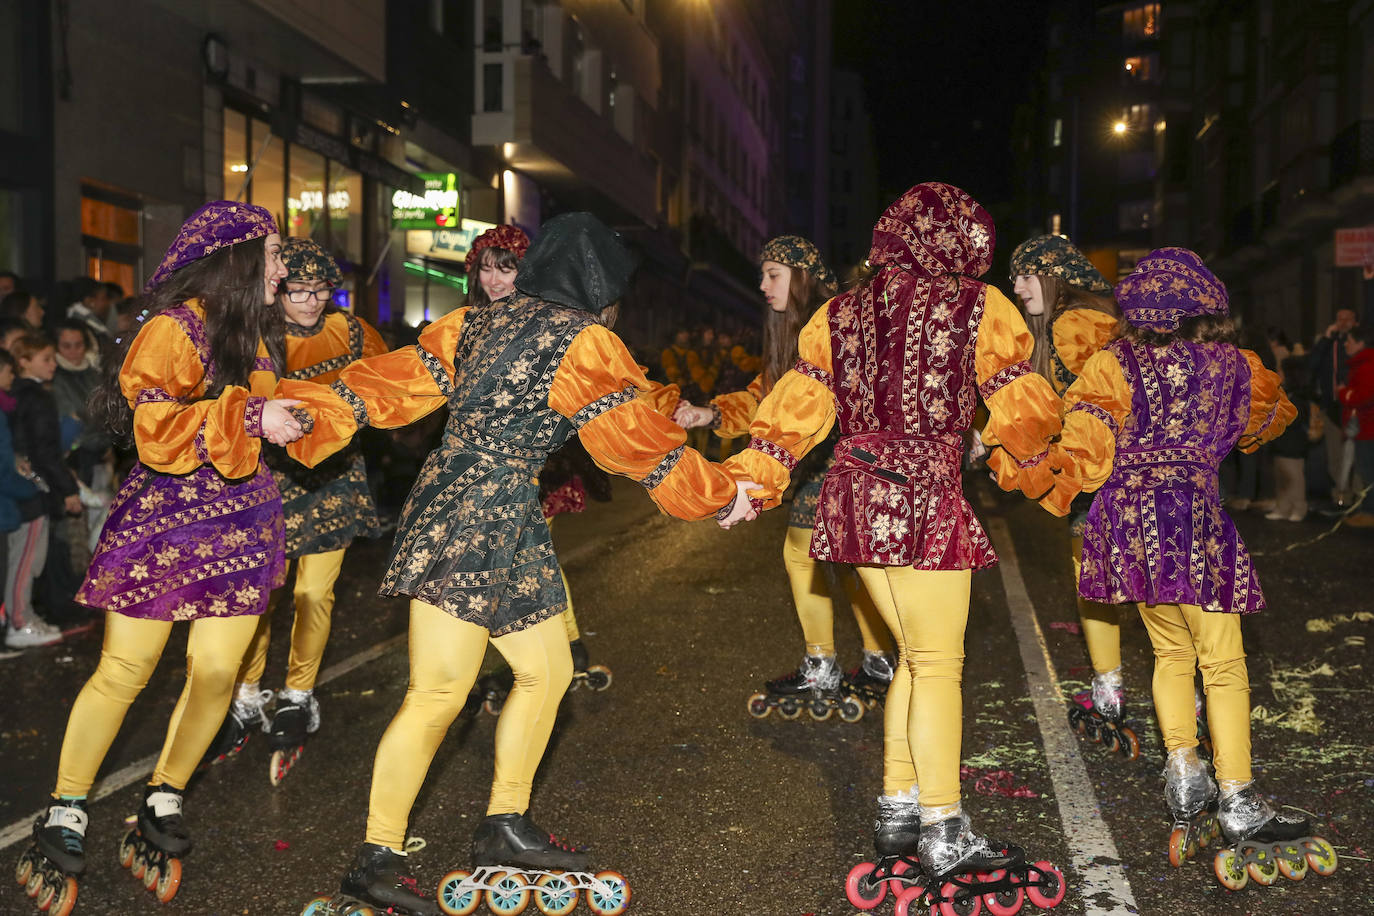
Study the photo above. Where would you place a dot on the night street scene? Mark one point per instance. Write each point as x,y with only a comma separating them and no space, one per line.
686,457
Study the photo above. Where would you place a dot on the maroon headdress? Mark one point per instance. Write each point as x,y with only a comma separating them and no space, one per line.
934,229
216,225
511,238
1168,286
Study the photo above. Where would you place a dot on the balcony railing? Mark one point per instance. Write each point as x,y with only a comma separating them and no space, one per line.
1352,153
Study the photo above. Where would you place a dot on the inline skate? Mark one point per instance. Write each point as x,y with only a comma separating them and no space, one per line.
1098,714
816,686
869,681
1262,844
516,862
962,872
152,850
896,834
379,882
49,868
297,715
593,677
247,713
1192,798
493,688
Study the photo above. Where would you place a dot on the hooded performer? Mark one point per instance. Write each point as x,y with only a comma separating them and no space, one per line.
1149,421
520,375
900,362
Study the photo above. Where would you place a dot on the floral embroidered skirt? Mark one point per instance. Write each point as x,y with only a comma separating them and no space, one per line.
326,507
1166,545
472,541
181,547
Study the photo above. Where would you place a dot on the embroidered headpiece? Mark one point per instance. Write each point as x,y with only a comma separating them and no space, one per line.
935,229
1168,286
1055,256
511,238
795,251
218,224
306,260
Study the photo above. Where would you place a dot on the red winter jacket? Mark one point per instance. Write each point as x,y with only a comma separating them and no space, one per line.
1357,396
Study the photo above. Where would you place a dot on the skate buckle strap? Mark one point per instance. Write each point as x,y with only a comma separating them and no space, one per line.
164,804
68,818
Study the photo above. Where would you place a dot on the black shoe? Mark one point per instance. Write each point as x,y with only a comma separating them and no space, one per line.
291,722
60,833
161,822
580,658
513,839
381,878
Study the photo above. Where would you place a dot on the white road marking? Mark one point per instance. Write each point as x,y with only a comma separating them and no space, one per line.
1103,888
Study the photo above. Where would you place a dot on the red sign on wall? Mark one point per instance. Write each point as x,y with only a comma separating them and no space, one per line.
1355,247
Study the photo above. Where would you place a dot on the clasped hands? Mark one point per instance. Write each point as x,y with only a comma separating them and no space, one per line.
744,509
689,417
279,424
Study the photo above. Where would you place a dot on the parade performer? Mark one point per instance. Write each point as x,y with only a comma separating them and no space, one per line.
795,282
194,534
1149,420
519,376
1071,313
325,508
901,360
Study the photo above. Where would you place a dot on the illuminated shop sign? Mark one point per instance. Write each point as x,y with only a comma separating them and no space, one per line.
436,208
445,244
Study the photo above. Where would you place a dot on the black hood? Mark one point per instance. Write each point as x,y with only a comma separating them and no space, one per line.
577,261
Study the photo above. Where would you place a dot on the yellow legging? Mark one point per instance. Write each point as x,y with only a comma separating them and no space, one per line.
923,722
445,655
816,611
1101,622
569,621
316,574
1187,638
130,652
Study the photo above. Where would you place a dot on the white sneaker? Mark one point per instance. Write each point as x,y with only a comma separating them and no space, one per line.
1276,516
1298,517
37,632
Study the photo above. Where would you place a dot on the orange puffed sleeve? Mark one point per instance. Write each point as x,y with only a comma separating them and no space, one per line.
1097,405
794,418
1078,334
174,434
661,399
597,387
1270,409
1023,410
737,409
385,391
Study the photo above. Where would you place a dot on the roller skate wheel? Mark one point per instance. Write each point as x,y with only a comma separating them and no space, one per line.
789,709
151,876
851,710
758,706
609,894
864,890
357,909
46,892
509,894
1230,869
1111,740
957,901
599,677
169,881
492,706
1292,863
903,874
1130,743
1321,856
555,895
317,907
23,868
910,901
454,898
1180,850
820,710
140,866
1006,902
126,851
1265,871
35,883
65,901
1049,889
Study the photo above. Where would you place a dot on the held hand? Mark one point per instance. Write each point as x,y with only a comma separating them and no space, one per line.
742,509
278,425
695,417
683,409
72,504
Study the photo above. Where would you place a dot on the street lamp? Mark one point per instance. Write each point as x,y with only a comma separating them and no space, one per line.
1119,128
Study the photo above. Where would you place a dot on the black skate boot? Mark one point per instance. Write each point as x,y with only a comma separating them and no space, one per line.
297,715
1099,714
593,677
1192,798
896,833
869,681
815,686
49,867
513,839
246,715
491,691
1263,844
381,878
152,850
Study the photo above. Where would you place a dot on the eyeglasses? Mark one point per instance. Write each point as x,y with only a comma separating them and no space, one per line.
302,296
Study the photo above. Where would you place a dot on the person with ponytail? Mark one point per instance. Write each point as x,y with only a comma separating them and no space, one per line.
795,282
195,533
1071,313
900,361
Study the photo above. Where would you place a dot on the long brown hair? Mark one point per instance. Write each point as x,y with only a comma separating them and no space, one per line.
495,257
1198,329
1060,297
805,294
228,285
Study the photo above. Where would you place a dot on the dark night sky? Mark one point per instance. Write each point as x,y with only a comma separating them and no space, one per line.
944,78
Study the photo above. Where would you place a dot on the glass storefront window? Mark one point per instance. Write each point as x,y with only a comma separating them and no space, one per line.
346,212
305,195
266,190
235,152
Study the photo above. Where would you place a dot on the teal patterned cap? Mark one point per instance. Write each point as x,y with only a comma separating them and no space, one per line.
795,251
1055,256
306,260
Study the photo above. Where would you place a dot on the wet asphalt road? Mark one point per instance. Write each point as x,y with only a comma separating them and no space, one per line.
704,809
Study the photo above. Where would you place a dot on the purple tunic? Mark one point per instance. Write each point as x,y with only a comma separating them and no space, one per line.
1156,532
181,547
